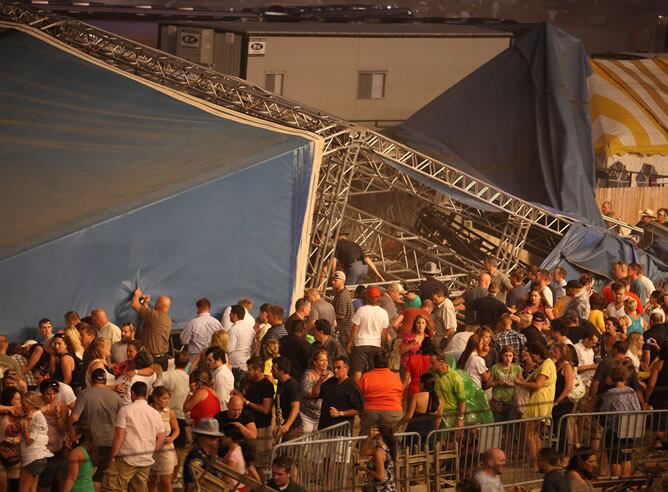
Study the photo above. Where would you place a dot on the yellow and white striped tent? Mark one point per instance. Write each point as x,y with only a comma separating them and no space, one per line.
629,109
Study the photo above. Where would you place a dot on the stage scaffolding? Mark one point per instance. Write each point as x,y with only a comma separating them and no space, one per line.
476,218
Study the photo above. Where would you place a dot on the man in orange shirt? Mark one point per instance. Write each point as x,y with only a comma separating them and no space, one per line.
382,390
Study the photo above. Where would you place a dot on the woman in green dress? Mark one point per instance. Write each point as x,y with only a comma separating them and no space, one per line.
79,463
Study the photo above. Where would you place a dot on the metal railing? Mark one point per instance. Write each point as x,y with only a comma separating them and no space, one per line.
336,431
330,464
623,441
460,449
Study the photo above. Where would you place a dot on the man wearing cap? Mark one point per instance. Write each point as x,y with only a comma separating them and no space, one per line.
97,407
343,307
646,217
427,287
207,441
368,333
351,259
534,332
139,433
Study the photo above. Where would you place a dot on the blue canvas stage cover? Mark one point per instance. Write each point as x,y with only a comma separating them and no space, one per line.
109,183
520,122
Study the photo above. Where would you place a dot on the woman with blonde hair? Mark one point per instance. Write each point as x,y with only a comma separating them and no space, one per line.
634,344
100,351
34,441
220,339
75,339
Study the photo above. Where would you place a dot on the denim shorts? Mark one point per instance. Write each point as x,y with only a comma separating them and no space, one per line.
35,467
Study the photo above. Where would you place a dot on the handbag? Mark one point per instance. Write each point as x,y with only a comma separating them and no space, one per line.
521,398
578,390
9,454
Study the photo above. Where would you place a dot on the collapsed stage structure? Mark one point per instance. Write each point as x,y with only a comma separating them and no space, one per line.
428,210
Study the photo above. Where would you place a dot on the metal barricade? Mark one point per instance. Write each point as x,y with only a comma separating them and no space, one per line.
457,451
623,440
330,464
336,431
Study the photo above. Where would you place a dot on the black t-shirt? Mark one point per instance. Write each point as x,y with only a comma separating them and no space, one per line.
224,419
344,396
533,334
658,333
348,252
487,310
584,330
555,481
289,392
603,372
297,350
256,392
428,286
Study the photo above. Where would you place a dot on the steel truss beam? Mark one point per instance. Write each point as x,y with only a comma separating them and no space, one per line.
352,154
400,253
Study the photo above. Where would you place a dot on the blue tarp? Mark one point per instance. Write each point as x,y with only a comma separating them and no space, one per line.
521,122
593,249
108,184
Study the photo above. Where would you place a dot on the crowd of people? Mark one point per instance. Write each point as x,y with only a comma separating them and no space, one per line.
92,405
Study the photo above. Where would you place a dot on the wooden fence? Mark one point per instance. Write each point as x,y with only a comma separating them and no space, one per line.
628,202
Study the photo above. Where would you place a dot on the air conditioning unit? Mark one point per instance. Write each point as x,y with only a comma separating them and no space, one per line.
195,44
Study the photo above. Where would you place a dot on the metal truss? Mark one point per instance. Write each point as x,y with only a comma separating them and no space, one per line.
400,253
356,160
512,242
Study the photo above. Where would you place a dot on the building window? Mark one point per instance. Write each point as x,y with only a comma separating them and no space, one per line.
371,85
274,82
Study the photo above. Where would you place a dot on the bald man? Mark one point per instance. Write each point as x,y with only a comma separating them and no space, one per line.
157,325
238,416
105,328
493,461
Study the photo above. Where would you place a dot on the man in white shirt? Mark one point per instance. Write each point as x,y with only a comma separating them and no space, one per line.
176,380
139,433
444,316
247,304
489,476
242,336
368,333
223,378
105,328
198,331
616,308
585,351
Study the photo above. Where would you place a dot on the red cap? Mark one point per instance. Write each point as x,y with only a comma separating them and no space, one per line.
373,292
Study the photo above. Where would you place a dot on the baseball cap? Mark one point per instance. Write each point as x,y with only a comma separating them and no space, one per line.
573,284
396,288
538,316
99,375
648,212
373,292
339,275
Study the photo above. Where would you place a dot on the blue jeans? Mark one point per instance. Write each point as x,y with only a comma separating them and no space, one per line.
356,273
